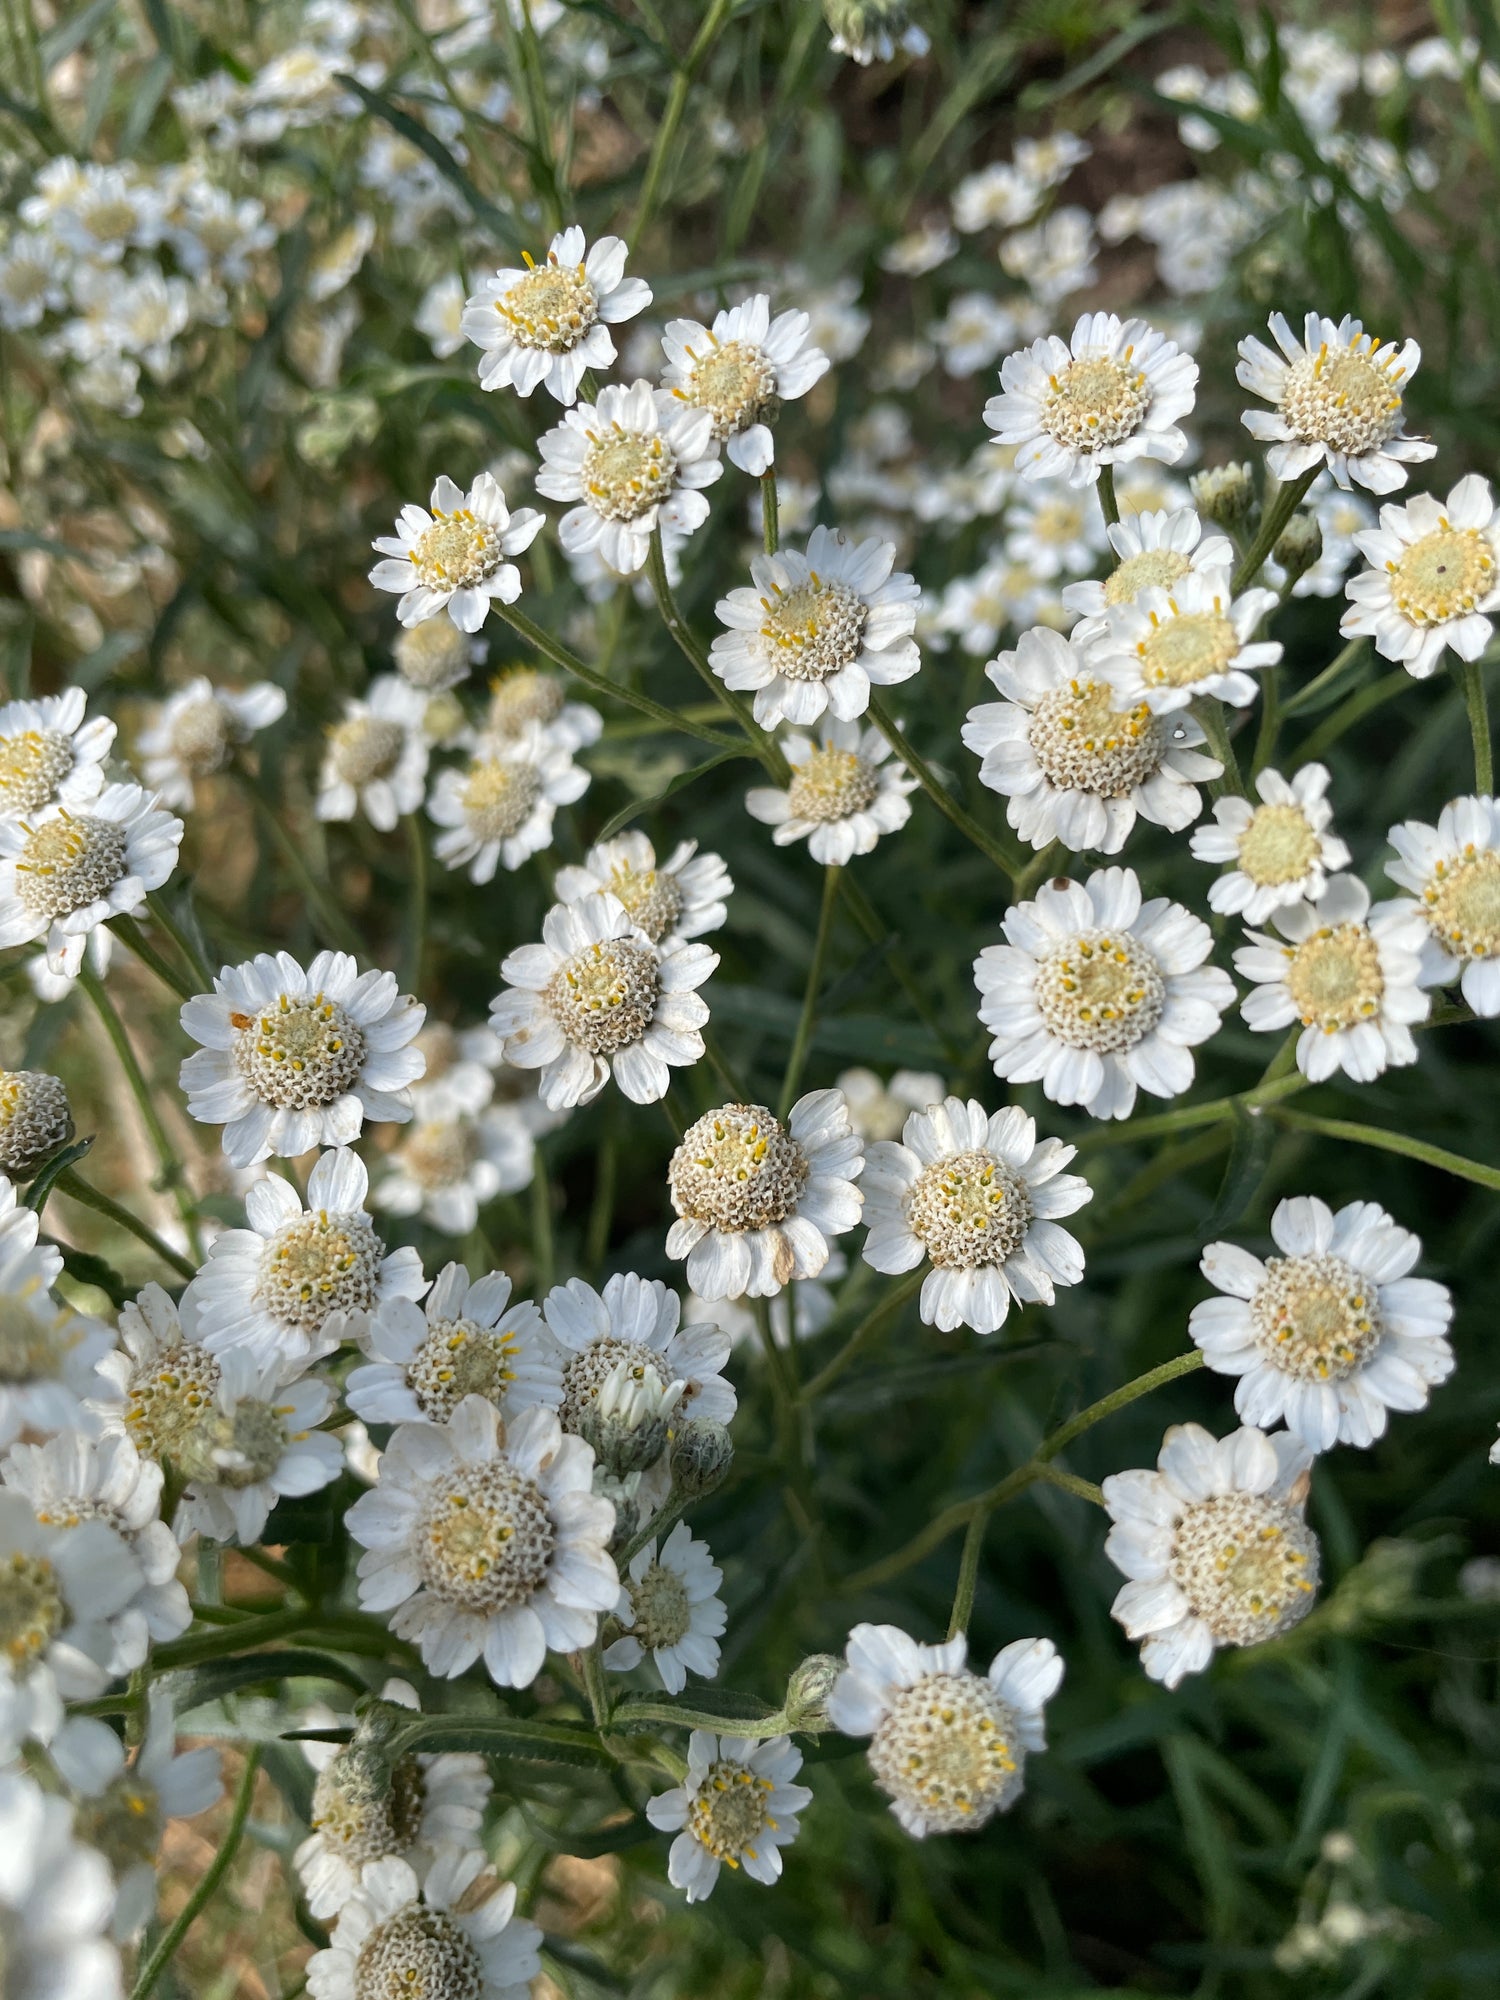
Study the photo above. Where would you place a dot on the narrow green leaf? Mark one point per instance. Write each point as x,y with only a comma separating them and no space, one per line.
195,1687
87,1269
1245,1169
417,134
502,1736
42,1185
673,785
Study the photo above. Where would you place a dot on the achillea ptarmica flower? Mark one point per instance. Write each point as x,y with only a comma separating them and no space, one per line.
1166,646
481,1547
1282,850
741,370
1453,869
49,1353
49,755
1097,994
672,900
978,1198
1434,576
501,805
520,696
879,1110
635,461
60,1591
435,656
1350,974
455,558
1337,396
56,1899
448,1937
845,792
293,1059
36,1120
1156,548
73,1479
948,1746
596,997
367,1808
467,1340
451,1162
871,31
64,872
757,1200
300,1280
197,730
737,1807
1332,1334
670,1609
549,324
1215,1545
375,756
1115,391
814,631
1073,762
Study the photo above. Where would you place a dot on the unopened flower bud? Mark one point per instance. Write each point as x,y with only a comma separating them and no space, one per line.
808,1690
872,30
628,1423
1298,546
1225,494
702,1453
35,1121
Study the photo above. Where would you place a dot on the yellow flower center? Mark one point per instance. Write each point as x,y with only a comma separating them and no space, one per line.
1187,648
1316,1318
735,383
605,995
1093,403
1442,576
33,763
456,552
814,629
1462,901
551,308
1335,978
1162,567
737,1168
68,863
1083,743
1278,846
485,1538
831,785
971,1209
299,1053
32,1612
1102,991
1343,400
1247,1564
498,798
730,1811
949,1746
627,473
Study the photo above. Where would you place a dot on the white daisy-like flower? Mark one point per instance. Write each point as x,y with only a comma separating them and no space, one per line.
1332,1334
671,901
871,31
73,1479
301,1279
670,1608
1349,973
977,1197
737,1806
293,1059
435,656
65,872
451,1162
1167,646
50,755
61,1589
501,805
1337,397
123,1807
1097,994
948,1746
549,324
520,696
815,630
56,1899
758,1200
741,370
1434,576
1215,1545
796,1313
1074,764
845,792
375,756
596,998
879,1110
1453,869
196,731
1281,849
1054,531
635,460
467,1340
452,1936
365,1808
455,557
49,1354
481,1547
1155,548
1115,391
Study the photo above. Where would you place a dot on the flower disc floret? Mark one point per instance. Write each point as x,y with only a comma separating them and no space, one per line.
1093,402
585,1374
970,1209
366,1808
1443,575
737,1168
68,863
735,383
1161,567
1182,651
831,784
1349,400
200,736
1462,903
485,1538
661,1612
171,1400
1317,1318
551,308
652,898
35,1120
1103,991
33,763
730,1811
814,628
1279,846
498,797
299,1053
1335,977
1082,741
626,473
604,997
459,1358
1247,1564
318,1265
32,1609
949,1746
418,1954
365,747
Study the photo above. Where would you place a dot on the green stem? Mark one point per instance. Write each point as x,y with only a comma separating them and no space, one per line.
680,721
1364,701
178,933
1270,721
1208,712
1471,680
662,1522
1187,1117
542,1255
1283,503
1109,506
993,847
207,1883
1393,1142
325,913
1306,696
525,58
130,934
891,1303
78,1190
832,876
763,745
172,1176
868,918
662,1714
770,511
666,132
416,908
968,1570
592,1659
